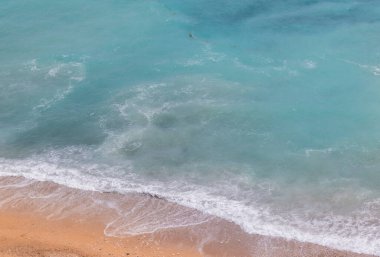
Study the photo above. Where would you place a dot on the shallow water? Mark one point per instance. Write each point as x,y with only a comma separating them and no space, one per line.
264,113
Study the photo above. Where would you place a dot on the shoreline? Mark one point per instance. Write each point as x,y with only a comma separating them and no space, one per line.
33,235
47,219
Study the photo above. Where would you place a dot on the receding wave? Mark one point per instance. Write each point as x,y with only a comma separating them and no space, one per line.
356,231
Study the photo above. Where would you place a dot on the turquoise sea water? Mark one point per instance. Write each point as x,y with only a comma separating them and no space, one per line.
265,113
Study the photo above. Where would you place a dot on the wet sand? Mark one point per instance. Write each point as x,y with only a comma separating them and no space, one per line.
49,220
30,235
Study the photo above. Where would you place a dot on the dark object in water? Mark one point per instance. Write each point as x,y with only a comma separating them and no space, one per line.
154,196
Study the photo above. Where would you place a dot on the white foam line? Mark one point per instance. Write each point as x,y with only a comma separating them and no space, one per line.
253,219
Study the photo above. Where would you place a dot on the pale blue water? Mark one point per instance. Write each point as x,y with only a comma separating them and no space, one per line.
265,113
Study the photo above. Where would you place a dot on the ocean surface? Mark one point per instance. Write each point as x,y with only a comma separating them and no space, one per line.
264,113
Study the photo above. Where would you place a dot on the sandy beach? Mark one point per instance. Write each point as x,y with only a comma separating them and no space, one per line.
31,225
27,235
213,128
